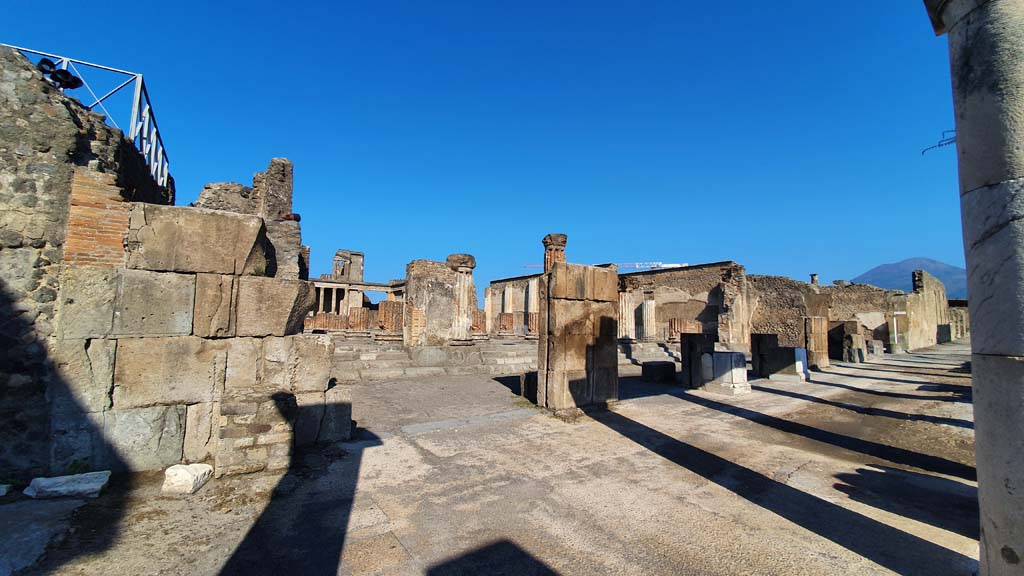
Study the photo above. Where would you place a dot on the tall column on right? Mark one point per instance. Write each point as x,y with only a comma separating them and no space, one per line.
986,48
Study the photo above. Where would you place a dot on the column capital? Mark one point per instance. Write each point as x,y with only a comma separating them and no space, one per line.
555,240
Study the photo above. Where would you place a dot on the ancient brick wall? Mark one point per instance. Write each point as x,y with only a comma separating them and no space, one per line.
97,221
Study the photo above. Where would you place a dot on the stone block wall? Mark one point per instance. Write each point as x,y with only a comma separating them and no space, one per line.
167,353
928,312
577,347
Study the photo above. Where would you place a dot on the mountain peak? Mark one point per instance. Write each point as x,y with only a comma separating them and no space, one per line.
897,275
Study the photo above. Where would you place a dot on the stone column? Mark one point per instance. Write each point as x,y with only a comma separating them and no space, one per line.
627,321
554,250
465,295
986,44
649,325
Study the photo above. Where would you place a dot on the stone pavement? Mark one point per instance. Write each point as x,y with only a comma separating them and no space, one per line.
866,469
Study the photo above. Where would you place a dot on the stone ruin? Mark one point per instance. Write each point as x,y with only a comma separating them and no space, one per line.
140,334
148,334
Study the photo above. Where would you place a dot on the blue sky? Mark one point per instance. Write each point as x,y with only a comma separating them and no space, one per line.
784,135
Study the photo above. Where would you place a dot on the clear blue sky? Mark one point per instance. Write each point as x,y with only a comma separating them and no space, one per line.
784,135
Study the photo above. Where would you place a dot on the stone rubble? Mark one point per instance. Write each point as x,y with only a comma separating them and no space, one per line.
186,478
88,485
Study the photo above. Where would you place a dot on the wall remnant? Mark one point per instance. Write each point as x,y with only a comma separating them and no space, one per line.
577,351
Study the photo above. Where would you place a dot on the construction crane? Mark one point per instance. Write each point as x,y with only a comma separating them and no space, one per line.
632,265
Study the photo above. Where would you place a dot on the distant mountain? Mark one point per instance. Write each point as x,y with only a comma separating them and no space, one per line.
898,276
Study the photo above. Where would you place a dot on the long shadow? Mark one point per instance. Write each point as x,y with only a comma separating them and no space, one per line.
501,558
887,546
302,529
902,395
942,373
941,502
48,426
870,411
879,378
867,447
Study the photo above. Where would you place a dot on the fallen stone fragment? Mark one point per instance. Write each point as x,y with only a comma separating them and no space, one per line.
86,485
4,489
186,478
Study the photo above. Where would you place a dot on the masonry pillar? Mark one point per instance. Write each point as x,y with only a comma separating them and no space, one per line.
986,44
649,326
554,250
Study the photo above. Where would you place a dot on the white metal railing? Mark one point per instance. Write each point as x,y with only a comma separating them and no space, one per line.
142,129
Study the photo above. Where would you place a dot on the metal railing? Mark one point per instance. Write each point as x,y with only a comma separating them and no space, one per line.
142,129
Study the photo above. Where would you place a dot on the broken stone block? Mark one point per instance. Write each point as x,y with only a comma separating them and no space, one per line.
154,304
146,438
286,237
874,348
86,369
168,370
273,188
186,239
5,489
658,371
244,359
186,478
200,425
87,295
88,485
786,363
725,372
854,348
214,303
272,307
310,363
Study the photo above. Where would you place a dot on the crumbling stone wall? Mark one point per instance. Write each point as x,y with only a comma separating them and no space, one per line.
270,198
713,294
440,301
50,145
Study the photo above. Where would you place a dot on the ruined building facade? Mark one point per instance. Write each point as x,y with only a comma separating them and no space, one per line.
138,334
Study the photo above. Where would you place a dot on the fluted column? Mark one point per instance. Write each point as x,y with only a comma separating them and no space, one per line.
627,319
649,328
